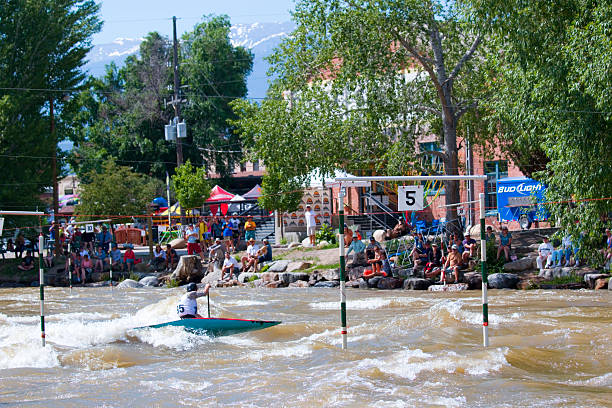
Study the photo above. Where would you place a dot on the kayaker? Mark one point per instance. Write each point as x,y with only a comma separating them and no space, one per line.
188,305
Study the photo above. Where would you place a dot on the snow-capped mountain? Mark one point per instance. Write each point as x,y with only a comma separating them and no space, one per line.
261,38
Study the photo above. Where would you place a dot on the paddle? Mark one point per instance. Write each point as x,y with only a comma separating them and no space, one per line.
208,298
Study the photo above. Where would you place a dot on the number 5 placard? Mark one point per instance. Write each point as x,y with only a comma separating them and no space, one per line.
410,198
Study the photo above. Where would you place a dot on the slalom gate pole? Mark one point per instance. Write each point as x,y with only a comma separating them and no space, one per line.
483,263
69,258
41,280
342,267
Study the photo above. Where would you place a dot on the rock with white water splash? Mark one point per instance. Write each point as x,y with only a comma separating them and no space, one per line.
451,287
326,284
279,266
330,274
520,265
149,281
288,278
299,284
129,283
503,281
389,283
416,284
297,266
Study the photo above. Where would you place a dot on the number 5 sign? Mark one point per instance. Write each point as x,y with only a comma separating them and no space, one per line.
409,198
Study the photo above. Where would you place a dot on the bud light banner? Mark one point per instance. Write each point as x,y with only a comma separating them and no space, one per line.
520,195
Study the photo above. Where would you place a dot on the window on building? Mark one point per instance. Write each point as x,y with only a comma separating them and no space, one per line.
494,170
243,167
256,165
68,191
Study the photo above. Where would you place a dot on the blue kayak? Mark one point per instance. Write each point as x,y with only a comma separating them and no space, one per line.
214,326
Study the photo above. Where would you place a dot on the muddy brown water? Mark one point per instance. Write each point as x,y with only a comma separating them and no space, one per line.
548,349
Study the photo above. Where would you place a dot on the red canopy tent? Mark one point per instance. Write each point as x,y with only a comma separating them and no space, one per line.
219,195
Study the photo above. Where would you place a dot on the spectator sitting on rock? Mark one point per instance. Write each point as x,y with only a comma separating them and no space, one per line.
230,265
380,264
49,259
505,243
115,258
419,248
358,247
452,265
86,268
129,258
470,247
544,251
159,256
265,253
171,258
425,257
348,236
557,254
216,253
490,235
251,257
371,248
27,263
607,251
100,259
434,260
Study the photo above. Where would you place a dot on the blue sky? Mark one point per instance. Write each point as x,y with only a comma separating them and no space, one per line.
136,18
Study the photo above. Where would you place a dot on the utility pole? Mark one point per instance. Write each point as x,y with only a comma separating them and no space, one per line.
55,186
176,101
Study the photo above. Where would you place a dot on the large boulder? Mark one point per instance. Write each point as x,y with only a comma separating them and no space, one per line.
520,265
591,278
306,242
293,245
416,284
373,282
356,259
352,284
326,284
189,269
212,278
503,281
129,283
389,283
247,276
288,278
279,266
355,272
299,284
363,284
330,274
473,279
178,243
379,235
269,276
297,266
322,244
149,281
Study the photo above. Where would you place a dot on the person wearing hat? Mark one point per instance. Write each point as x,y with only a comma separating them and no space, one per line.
265,252
230,265
452,265
358,247
311,224
426,256
470,247
188,305
251,257
172,258
418,254
249,228
545,251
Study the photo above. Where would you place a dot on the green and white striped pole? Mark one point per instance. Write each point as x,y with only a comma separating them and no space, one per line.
41,280
342,267
483,263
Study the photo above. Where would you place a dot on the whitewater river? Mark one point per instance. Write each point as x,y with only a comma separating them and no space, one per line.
548,349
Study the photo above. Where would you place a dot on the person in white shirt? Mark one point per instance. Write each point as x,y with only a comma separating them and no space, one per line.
188,305
544,251
251,257
230,265
311,224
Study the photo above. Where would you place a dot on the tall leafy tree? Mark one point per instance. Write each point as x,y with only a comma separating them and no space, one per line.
43,45
553,95
191,185
358,81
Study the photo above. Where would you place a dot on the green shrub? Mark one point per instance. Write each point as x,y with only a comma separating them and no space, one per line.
172,283
253,278
326,233
135,277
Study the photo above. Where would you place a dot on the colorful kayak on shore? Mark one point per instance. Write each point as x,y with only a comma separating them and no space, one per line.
214,326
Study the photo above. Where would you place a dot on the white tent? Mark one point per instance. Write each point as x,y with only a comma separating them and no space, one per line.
237,198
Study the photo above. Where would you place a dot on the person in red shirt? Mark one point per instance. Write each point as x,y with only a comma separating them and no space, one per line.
129,258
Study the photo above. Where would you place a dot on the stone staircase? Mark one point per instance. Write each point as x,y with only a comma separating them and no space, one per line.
265,230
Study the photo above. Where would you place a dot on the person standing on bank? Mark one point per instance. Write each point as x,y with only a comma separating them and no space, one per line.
188,305
311,224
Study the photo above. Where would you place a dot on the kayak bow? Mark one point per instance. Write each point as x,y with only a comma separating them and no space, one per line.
214,326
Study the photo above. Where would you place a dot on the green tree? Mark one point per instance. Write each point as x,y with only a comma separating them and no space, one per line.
552,94
116,191
42,50
359,81
191,185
